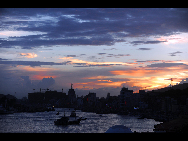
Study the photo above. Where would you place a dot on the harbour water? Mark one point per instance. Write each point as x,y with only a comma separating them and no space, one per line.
43,122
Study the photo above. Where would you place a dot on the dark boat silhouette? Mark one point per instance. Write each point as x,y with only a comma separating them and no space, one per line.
66,121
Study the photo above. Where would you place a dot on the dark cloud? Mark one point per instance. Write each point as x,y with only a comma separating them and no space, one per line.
71,56
32,63
121,55
154,42
90,26
141,61
1,59
111,49
94,65
144,49
146,42
161,65
118,55
82,66
137,42
100,65
46,82
19,81
27,81
101,53
150,61
174,53
30,44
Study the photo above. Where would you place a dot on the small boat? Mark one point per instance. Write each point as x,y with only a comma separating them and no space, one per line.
65,121
62,121
77,121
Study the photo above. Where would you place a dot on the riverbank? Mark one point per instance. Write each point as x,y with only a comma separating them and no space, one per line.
179,125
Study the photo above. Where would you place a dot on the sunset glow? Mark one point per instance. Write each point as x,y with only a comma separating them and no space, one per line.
28,55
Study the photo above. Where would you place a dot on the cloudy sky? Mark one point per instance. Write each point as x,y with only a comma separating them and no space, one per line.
98,50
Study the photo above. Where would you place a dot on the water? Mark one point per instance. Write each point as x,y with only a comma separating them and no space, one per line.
43,122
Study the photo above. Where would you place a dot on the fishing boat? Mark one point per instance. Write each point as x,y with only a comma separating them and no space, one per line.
62,121
66,121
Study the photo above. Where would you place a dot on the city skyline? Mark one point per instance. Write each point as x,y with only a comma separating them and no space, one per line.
98,50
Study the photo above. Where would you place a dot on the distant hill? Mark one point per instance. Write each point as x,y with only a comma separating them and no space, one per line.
175,87
178,92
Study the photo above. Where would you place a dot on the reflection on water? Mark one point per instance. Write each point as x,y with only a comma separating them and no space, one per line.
43,122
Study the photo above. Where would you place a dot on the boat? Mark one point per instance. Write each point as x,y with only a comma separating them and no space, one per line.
77,121
66,121
62,121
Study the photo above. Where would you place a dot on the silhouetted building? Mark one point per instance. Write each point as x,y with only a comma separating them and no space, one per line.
91,98
79,101
142,92
124,97
71,95
46,97
108,96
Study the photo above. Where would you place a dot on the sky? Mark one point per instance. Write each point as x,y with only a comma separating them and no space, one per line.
98,50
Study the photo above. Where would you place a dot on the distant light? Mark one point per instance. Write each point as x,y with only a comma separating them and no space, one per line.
53,106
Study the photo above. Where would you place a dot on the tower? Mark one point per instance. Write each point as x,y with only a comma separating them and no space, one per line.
71,95
108,95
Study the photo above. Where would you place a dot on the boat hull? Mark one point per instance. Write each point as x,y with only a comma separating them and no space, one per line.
66,121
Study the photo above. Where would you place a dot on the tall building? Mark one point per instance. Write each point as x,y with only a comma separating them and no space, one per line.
91,98
71,95
124,97
108,96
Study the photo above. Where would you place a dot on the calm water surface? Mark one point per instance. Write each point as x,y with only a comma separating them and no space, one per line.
43,122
